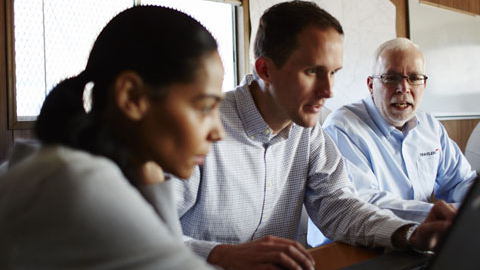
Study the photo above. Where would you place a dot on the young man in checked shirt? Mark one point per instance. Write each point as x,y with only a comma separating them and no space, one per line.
242,208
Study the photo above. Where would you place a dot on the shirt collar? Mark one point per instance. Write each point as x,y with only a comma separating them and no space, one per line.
255,127
385,127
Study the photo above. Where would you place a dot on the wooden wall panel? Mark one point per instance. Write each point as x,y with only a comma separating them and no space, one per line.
460,130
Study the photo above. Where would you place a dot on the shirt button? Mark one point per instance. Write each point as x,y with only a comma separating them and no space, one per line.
252,137
267,131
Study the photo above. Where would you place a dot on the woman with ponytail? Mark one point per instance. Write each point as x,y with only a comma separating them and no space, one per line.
96,194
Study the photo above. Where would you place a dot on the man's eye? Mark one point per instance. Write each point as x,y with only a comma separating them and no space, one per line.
392,78
415,77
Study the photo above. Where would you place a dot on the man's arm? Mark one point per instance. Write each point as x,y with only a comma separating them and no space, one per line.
428,234
332,203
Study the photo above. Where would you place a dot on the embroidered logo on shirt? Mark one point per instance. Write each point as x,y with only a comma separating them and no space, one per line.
431,153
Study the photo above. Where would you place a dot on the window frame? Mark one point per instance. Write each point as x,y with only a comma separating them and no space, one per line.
241,40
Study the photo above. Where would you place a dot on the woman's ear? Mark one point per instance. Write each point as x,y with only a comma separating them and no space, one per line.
131,97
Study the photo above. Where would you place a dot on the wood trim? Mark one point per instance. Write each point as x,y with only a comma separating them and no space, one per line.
6,135
13,122
247,28
232,2
23,134
19,125
401,15
10,57
470,7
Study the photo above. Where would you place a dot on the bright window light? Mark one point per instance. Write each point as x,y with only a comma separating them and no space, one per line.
53,40
218,19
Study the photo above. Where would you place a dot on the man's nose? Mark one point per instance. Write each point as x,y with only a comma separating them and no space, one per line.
324,87
403,86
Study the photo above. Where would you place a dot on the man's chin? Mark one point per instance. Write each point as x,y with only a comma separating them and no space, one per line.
307,122
398,122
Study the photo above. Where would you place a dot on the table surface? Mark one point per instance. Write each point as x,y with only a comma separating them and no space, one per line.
336,255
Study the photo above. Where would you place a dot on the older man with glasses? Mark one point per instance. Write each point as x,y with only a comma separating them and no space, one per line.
398,157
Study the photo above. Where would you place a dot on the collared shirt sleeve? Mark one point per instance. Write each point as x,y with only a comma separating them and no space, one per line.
200,247
329,194
185,196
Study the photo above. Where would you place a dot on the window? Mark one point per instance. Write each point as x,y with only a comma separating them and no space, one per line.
52,40
221,26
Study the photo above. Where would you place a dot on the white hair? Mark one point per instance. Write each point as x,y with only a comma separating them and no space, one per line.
396,44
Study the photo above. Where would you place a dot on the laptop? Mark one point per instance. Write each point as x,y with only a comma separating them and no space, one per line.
458,249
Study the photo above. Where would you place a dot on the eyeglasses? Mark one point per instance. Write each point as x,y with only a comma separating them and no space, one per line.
394,79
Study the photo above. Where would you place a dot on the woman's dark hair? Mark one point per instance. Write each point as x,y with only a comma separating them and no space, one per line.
280,25
162,45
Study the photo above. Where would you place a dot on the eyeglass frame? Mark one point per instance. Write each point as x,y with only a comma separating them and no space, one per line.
382,78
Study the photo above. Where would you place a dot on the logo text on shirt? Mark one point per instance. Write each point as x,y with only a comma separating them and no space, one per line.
430,153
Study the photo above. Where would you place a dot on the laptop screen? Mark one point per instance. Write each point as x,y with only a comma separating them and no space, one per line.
459,248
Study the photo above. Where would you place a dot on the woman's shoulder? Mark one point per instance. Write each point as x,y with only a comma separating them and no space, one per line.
70,196
74,161
60,169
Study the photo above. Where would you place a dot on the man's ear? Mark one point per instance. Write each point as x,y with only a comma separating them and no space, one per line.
370,84
130,95
264,66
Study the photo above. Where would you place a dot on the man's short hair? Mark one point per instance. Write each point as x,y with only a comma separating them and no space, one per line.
396,44
280,25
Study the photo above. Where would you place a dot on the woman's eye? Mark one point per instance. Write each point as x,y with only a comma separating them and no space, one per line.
206,109
311,71
206,106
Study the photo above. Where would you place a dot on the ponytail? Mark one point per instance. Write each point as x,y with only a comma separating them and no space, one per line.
63,120
62,111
